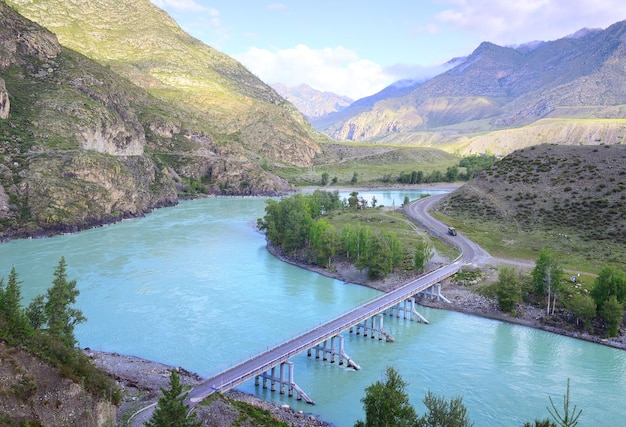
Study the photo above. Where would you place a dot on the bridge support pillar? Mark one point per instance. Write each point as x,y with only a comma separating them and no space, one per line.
434,292
285,379
407,310
373,326
333,347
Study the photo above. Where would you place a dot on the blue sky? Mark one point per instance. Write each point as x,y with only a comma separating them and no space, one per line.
358,47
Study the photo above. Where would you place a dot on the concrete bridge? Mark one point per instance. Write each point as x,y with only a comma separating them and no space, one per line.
274,365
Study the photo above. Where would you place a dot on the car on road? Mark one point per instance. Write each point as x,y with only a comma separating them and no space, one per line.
452,231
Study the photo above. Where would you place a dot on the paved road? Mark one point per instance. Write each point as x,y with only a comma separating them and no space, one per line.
471,252
418,213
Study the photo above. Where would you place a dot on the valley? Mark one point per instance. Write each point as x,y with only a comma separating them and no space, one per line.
109,111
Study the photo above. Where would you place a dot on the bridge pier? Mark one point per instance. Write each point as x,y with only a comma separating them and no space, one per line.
373,326
407,310
328,349
285,379
434,292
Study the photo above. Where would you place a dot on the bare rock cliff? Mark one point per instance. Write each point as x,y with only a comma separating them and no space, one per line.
5,106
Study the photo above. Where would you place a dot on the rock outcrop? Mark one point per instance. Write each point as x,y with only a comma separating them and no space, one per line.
34,393
5,105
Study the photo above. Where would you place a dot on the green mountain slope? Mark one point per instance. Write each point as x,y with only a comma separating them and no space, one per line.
81,145
141,42
562,86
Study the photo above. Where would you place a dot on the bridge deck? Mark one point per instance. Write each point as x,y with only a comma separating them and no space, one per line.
242,372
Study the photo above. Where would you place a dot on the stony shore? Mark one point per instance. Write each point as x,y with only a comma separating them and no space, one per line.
141,381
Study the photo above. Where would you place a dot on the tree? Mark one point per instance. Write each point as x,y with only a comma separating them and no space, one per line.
323,238
387,404
353,200
171,409
406,201
355,178
379,252
547,276
452,173
36,312
567,419
324,178
610,282
60,315
423,254
612,311
444,413
584,308
11,312
508,288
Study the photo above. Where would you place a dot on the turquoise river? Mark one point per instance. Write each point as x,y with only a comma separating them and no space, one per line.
194,286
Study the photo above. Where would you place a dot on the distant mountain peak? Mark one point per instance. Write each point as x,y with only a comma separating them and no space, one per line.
506,89
311,102
583,32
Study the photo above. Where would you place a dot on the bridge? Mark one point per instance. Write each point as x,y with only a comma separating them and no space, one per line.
325,339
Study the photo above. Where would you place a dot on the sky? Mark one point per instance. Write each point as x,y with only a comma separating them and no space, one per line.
356,48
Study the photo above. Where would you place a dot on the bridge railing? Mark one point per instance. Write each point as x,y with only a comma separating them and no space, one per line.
268,348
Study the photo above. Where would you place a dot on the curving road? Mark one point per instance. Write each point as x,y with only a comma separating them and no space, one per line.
471,253
418,213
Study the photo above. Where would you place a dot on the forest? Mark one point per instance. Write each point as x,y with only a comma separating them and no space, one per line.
299,226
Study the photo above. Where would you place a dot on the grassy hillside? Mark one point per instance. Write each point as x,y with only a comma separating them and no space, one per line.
142,43
371,163
81,145
572,199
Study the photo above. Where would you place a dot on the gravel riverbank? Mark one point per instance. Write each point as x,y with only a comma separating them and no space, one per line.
141,382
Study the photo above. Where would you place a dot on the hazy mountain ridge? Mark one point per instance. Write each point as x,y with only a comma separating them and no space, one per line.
312,103
498,88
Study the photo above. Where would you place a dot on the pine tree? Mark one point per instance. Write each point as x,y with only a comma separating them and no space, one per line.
11,311
171,409
444,413
60,315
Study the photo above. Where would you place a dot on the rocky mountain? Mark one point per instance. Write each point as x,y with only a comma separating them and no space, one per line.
143,115
566,91
312,103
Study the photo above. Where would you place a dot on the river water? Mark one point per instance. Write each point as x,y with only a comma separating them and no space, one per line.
194,286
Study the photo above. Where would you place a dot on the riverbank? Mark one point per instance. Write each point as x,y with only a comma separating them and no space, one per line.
462,298
141,381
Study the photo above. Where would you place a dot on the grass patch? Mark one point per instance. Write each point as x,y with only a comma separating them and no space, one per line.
503,240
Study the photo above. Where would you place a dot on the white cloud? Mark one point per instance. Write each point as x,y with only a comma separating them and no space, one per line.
337,70
521,21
